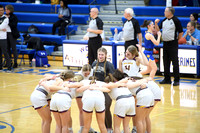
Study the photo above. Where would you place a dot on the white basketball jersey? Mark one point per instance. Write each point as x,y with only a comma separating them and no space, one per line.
130,67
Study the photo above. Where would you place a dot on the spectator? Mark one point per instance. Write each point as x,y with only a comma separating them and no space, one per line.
131,29
194,17
95,40
118,36
12,33
192,35
64,15
3,39
171,31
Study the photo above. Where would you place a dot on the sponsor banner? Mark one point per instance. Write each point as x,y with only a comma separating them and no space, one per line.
187,61
77,54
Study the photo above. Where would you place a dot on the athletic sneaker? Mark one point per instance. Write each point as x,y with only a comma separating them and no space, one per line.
9,70
110,131
92,131
134,130
70,131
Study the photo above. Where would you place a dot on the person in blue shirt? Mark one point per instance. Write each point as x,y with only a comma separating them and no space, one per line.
64,15
150,41
192,35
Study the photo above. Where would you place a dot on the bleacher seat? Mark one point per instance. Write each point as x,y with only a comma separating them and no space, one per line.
44,28
184,20
159,11
50,38
105,2
48,8
48,18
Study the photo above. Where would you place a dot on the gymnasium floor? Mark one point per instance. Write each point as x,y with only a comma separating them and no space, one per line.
178,111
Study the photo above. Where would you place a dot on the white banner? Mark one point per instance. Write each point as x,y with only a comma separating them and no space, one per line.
187,61
77,54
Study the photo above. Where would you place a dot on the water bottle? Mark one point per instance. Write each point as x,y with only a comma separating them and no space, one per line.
33,62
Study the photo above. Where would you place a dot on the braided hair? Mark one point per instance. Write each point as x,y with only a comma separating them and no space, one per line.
101,49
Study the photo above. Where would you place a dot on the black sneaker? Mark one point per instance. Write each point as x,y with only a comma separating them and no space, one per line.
165,82
176,83
9,70
15,65
1,69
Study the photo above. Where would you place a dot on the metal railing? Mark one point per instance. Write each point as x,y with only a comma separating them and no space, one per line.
116,12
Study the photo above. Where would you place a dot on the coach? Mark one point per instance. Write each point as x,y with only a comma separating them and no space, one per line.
170,27
94,30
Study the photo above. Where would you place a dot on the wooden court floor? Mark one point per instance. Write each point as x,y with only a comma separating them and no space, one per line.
178,111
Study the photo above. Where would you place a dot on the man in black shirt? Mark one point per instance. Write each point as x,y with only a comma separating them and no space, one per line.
131,29
170,27
95,29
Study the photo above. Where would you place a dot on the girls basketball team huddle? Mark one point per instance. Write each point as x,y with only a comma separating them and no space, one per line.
94,88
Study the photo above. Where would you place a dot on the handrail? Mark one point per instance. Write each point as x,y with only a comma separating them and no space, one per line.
116,12
94,1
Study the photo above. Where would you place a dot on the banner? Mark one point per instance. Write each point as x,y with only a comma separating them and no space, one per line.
187,61
77,54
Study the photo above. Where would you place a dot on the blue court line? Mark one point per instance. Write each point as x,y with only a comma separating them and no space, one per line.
16,109
13,128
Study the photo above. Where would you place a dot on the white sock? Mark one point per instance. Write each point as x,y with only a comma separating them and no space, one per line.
70,129
81,128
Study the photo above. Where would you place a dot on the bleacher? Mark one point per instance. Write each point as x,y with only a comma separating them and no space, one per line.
159,11
48,8
43,28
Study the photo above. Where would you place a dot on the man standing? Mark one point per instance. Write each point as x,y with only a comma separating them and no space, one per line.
95,29
3,39
170,27
131,29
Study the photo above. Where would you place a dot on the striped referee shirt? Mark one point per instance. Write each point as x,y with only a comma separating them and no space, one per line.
131,29
95,24
170,28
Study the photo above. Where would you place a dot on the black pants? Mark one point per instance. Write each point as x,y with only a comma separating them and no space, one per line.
131,42
11,43
3,49
108,115
62,24
93,45
170,54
